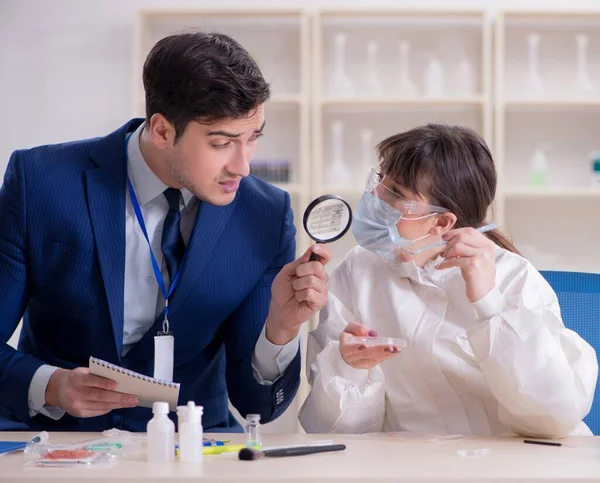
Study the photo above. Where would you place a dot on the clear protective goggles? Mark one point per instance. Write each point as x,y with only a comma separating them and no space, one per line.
409,208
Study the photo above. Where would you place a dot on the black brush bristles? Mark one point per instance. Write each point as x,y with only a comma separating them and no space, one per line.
248,454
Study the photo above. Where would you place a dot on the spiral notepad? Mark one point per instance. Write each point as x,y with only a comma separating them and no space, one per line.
146,388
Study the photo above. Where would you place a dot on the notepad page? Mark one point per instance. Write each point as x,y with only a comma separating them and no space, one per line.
147,389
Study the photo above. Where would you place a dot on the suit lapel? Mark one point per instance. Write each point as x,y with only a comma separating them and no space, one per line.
106,201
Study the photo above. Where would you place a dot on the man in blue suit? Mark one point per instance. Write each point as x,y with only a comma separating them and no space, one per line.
98,237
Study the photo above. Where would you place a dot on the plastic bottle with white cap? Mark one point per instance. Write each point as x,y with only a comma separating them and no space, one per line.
161,434
190,435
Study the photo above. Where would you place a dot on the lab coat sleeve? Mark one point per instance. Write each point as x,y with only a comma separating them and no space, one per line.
542,374
342,399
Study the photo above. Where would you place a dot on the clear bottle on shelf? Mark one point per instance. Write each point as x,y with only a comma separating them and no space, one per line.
406,87
584,83
340,84
373,77
366,141
465,78
434,78
539,168
338,173
535,83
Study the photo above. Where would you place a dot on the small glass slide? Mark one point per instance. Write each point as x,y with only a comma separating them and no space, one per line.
375,341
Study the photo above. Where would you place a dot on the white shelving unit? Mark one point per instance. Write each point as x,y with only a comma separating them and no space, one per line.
545,100
401,102
279,42
378,97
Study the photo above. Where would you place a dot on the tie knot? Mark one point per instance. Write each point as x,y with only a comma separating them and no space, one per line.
173,196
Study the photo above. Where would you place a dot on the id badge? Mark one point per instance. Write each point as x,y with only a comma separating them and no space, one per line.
163,356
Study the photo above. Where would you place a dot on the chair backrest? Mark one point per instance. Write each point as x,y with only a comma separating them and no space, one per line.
579,299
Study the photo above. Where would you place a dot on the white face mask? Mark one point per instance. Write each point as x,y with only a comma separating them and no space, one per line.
374,227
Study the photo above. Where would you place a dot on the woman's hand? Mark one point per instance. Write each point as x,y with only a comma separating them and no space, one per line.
359,356
473,253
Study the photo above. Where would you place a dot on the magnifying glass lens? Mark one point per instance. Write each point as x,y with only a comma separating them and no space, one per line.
327,219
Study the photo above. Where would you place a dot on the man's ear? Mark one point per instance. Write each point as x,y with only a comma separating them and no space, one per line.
443,224
162,131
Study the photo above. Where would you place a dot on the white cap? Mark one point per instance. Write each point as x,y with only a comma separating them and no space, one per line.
193,416
160,408
253,418
194,413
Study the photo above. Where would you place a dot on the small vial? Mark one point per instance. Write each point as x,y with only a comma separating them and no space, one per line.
253,431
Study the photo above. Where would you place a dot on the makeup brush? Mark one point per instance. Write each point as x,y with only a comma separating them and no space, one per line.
248,454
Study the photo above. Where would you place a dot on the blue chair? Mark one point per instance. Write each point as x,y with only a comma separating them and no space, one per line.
579,299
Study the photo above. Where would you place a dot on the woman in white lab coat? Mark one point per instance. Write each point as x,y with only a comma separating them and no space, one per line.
487,352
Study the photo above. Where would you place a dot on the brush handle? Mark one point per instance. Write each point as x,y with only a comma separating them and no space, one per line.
302,450
542,443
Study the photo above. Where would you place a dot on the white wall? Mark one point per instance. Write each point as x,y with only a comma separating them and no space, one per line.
65,65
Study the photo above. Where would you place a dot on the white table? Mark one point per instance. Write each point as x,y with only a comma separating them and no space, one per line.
367,458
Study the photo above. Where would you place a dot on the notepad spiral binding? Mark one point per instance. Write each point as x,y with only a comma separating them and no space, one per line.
128,372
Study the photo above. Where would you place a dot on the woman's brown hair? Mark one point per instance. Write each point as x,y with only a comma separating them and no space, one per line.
452,166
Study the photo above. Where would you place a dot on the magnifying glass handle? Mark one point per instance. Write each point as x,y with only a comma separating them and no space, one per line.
313,257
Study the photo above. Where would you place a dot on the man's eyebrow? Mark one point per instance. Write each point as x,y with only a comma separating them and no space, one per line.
225,133
234,135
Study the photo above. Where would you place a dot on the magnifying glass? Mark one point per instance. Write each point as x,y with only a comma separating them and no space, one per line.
327,219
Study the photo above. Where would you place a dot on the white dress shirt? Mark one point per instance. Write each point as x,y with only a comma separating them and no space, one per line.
503,364
144,301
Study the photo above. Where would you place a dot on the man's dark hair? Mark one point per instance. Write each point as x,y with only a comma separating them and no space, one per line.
204,77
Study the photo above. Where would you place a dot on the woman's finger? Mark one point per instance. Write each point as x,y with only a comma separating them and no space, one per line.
460,250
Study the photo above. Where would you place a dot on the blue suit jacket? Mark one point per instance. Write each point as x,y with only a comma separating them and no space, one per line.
62,265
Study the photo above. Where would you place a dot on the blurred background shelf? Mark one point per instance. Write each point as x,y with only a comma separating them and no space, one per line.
403,101
528,193
579,102
547,100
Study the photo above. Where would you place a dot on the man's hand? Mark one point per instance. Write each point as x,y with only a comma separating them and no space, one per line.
298,292
84,395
